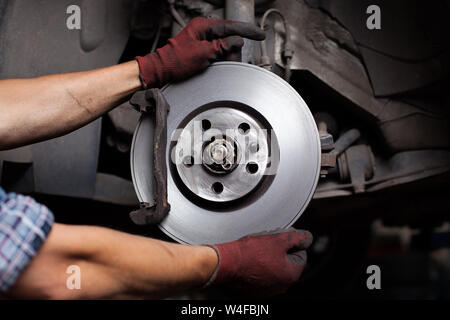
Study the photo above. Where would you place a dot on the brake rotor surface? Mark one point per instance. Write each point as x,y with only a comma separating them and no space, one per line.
243,155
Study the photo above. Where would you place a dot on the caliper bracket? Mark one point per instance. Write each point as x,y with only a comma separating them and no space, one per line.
152,101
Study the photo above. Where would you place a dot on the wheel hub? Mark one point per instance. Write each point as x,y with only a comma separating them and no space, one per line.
222,154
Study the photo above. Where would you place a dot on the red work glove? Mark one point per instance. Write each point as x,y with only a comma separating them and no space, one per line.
199,44
262,265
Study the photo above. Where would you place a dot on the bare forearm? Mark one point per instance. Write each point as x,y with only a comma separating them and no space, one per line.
113,265
35,109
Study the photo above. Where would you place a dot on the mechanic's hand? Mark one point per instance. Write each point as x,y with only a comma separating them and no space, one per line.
199,44
262,265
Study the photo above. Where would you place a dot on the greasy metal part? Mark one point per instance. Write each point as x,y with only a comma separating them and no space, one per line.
329,120
343,168
335,151
178,18
327,50
401,168
220,155
297,161
243,10
358,165
345,141
287,53
147,101
361,165
241,156
409,53
326,139
328,159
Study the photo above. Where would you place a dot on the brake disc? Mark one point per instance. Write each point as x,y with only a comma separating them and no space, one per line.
243,155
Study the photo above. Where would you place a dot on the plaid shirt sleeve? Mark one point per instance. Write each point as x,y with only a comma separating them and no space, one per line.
24,226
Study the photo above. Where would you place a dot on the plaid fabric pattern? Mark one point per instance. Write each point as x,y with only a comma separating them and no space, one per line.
24,226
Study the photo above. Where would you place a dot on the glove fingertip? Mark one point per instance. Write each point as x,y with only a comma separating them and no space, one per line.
304,237
260,34
213,277
298,258
232,43
309,240
309,235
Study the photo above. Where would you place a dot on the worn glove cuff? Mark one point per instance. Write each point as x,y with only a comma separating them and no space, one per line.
214,275
229,263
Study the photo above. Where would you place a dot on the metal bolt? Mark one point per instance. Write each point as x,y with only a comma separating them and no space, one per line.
218,153
253,147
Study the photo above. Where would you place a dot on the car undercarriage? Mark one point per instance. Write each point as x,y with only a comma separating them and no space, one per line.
355,144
